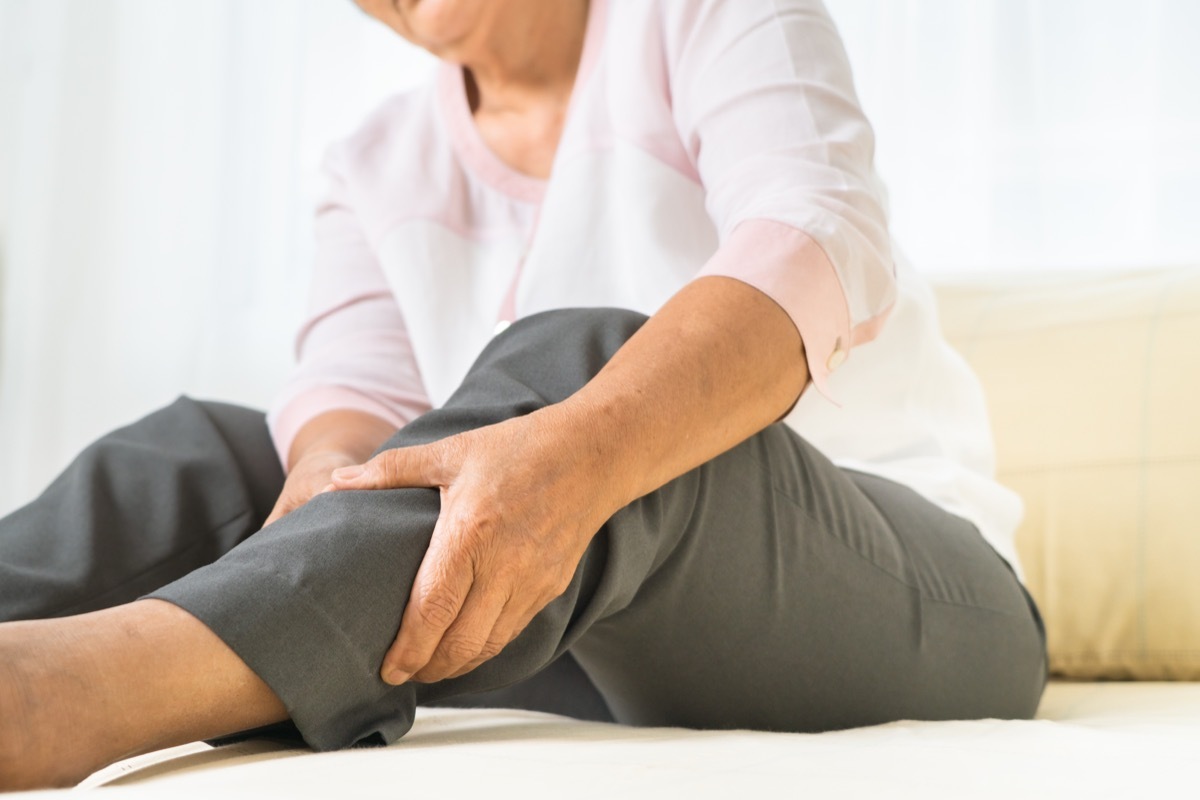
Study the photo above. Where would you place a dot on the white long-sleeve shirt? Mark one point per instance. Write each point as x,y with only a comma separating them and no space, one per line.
703,137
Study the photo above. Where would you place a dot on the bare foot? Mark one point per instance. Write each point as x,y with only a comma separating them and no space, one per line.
80,693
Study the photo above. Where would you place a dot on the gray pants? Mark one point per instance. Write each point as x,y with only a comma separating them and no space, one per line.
766,589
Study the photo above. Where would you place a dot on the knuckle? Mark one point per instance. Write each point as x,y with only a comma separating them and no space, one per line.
437,610
461,649
441,456
510,574
491,650
450,450
473,542
387,466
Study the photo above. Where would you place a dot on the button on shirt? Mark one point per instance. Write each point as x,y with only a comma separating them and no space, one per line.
703,138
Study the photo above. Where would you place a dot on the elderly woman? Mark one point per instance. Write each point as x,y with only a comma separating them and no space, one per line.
598,285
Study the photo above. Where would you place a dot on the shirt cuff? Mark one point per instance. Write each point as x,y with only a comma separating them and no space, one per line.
788,266
287,421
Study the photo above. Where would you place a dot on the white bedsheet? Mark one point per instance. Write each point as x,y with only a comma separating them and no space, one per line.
1090,740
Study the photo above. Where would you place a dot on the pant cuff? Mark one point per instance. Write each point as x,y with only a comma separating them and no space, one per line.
331,690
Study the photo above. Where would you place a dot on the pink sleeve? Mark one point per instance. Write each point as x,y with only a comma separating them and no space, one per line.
764,101
353,350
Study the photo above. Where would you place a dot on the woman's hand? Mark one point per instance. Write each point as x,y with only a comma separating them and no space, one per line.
519,507
337,438
308,476
521,500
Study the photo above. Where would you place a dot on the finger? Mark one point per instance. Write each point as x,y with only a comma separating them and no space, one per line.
392,469
282,509
441,587
294,495
468,638
511,622
276,513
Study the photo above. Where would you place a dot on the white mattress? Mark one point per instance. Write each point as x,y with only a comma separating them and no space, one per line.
1090,739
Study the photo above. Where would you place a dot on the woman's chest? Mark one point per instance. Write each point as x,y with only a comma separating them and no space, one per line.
616,227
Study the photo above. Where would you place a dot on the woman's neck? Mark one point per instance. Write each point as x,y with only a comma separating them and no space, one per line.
531,53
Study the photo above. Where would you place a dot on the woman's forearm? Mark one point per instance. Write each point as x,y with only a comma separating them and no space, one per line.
718,363
356,434
521,499
328,441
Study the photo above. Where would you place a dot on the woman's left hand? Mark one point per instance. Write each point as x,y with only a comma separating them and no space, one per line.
519,507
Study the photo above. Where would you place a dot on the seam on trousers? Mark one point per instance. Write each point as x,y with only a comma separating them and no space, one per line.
943,600
300,590
71,609
825,530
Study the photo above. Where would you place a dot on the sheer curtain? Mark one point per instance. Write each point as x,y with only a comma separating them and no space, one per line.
1032,134
158,165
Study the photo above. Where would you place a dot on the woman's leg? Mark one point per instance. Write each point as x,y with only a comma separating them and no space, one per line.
139,508
764,589
767,588
805,597
81,692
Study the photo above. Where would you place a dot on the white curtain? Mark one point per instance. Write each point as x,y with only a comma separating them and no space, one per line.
1033,134
158,164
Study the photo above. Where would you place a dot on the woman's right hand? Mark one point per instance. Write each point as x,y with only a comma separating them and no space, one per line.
308,476
329,441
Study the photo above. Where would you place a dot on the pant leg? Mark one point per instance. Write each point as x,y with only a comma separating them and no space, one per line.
764,589
809,598
138,509
561,688
154,500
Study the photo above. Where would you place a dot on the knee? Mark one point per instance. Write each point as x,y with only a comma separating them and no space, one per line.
546,357
582,329
238,422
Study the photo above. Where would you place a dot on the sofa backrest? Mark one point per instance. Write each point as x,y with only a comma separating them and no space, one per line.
1092,381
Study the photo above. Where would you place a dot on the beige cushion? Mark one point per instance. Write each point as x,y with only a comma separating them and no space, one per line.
1092,380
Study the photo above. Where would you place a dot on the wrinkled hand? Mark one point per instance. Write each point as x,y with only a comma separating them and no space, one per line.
518,511
307,478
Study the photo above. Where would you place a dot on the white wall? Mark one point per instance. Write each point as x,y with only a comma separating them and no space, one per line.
158,163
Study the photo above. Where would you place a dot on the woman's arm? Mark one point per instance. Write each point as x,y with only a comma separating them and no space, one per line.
763,102
718,363
342,432
353,351
328,441
521,500
356,381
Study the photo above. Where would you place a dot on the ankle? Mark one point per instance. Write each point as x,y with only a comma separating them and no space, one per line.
79,693
18,742
12,711
43,742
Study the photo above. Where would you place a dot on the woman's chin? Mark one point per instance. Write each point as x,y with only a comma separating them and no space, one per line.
439,24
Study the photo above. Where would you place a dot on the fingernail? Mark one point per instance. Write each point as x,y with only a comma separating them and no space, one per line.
396,677
348,473
328,488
